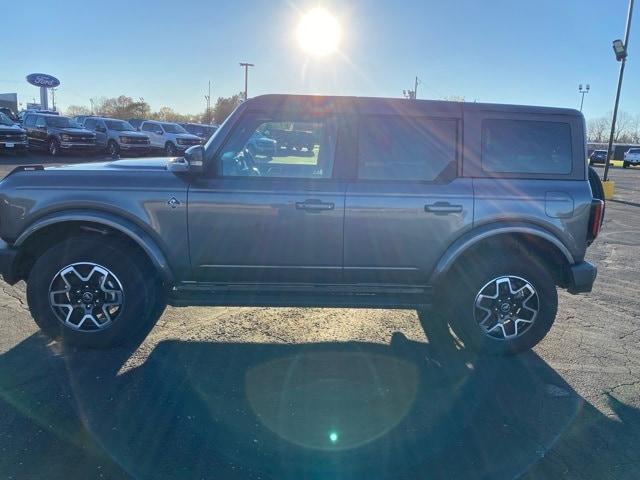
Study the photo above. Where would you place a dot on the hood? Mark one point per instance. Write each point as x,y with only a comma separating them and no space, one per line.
187,136
156,164
132,133
72,130
11,128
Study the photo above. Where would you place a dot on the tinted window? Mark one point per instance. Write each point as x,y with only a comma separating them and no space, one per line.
634,150
522,146
40,122
147,127
280,146
90,123
407,148
30,120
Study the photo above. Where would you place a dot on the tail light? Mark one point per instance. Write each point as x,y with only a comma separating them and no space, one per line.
595,219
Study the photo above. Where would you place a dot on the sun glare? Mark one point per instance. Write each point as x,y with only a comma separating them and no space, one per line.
319,32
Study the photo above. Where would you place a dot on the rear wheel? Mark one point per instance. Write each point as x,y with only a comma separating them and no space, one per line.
94,293
502,306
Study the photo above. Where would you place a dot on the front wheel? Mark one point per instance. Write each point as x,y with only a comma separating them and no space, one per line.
113,148
503,306
93,292
54,147
625,164
170,149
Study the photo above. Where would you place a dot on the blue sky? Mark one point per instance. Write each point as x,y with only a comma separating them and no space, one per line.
505,51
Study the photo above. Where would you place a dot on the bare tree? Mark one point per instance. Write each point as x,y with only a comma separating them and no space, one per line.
598,129
73,110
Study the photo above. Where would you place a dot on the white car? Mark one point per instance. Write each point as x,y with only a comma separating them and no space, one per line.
631,157
170,137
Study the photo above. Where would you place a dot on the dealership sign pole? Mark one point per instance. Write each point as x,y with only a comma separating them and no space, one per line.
43,81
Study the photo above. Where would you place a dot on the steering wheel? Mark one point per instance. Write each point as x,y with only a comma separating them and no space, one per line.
246,164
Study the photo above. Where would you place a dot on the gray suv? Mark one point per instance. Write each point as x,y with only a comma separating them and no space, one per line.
470,213
117,136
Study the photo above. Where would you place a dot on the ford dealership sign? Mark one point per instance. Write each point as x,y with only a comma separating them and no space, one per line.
43,80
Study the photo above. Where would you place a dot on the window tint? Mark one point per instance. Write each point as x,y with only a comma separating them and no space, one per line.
283,147
40,122
30,120
90,123
147,127
634,150
522,146
407,148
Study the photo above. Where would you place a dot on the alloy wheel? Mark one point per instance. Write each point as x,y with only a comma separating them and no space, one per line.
506,307
86,297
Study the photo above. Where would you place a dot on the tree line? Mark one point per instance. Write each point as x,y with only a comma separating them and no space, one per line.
125,107
627,129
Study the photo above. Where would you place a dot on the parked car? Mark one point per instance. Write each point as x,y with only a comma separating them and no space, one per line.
201,130
403,211
260,144
10,114
79,119
169,137
56,133
293,139
598,156
12,137
631,157
117,136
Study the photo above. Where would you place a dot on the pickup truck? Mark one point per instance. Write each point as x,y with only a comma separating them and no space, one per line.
472,214
631,157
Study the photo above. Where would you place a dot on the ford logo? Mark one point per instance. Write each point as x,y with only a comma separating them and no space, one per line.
43,80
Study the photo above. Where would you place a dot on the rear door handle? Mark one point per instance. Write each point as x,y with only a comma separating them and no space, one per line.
442,208
315,205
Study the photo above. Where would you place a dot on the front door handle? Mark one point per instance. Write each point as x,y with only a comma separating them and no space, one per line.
442,208
315,205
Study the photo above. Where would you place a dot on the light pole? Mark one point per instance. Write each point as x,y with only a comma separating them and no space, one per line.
583,91
246,76
208,99
621,50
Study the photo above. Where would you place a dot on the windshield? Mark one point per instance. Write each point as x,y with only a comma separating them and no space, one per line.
61,122
173,128
4,120
119,125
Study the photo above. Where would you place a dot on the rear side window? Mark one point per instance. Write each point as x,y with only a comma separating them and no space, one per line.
30,120
90,123
407,148
523,146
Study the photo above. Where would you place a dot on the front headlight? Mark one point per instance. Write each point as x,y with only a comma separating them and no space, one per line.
124,140
65,138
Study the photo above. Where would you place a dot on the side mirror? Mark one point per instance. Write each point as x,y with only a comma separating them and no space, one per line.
192,162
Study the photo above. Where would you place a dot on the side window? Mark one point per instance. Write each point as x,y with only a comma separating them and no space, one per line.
30,121
281,146
90,124
40,122
524,146
394,147
146,127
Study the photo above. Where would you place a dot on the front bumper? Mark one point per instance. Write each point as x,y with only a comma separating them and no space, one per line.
8,263
77,146
135,147
581,277
21,145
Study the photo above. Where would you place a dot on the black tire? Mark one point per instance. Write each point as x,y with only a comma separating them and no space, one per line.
113,148
142,296
625,164
475,276
597,189
54,147
170,149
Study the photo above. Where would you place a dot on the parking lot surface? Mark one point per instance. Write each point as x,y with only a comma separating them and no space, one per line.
334,393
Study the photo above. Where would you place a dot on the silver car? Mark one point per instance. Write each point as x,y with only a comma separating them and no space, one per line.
117,136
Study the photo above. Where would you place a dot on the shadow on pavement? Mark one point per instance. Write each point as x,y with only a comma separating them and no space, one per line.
321,411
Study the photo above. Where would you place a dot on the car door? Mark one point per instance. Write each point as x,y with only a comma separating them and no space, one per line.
29,125
102,134
152,130
408,202
276,219
40,132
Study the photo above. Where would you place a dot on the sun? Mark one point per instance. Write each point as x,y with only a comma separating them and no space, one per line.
319,32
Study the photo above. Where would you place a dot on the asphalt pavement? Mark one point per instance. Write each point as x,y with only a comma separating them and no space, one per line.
291,393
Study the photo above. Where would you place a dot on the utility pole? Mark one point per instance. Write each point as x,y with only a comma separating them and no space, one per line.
621,51
415,88
208,99
53,99
583,91
246,76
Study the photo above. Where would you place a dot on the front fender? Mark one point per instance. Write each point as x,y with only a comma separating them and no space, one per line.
465,242
126,227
